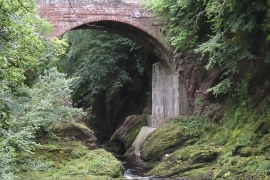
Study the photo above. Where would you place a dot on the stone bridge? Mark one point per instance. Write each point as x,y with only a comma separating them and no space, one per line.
130,19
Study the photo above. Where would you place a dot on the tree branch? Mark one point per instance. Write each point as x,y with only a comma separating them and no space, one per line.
23,6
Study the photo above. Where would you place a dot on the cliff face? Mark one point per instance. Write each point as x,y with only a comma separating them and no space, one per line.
250,85
196,80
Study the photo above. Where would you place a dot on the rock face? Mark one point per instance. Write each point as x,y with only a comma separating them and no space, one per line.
76,131
196,80
127,133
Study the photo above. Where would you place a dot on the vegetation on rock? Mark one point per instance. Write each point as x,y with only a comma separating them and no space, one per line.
67,156
171,136
234,147
128,132
34,96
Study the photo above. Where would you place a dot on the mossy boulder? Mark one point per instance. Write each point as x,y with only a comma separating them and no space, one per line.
194,161
128,132
67,156
75,131
95,164
167,138
236,167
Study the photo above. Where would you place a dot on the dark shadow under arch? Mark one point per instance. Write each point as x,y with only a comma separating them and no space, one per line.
135,34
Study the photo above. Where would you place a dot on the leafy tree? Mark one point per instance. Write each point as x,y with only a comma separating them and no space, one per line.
226,32
19,46
101,61
25,111
47,102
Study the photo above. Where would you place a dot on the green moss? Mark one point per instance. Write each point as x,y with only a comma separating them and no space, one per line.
160,141
237,167
67,128
127,133
190,159
236,147
173,135
129,137
67,158
56,161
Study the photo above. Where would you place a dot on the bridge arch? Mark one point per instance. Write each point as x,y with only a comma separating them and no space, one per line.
127,18
124,17
132,31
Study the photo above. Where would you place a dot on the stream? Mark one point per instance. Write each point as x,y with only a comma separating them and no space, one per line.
134,168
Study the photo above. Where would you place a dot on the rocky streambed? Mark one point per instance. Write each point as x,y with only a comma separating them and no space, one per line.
234,147
237,147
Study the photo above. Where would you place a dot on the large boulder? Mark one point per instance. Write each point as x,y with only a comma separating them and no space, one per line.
167,138
191,162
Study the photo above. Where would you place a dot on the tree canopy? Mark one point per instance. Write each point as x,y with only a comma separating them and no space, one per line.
226,32
101,61
30,102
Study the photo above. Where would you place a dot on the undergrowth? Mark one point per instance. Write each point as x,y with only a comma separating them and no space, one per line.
62,159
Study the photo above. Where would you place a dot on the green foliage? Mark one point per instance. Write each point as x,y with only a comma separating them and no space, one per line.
225,32
101,61
50,101
222,87
241,91
19,46
183,20
24,111
53,50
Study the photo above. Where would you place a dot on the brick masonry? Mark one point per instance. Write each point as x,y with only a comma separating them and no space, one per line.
111,15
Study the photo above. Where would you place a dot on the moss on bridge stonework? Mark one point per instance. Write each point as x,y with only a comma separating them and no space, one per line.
237,147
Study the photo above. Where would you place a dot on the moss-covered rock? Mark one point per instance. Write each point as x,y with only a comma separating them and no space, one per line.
169,137
67,156
127,133
255,167
75,131
235,147
194,161
95,164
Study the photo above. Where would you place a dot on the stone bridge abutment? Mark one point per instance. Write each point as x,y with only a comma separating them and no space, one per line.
127,18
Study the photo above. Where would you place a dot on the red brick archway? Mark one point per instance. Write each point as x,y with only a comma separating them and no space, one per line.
125,17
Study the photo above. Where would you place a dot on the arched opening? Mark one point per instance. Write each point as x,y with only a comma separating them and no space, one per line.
166,93
133,32
116,99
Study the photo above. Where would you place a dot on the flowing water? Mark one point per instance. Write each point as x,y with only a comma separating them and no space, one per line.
134,169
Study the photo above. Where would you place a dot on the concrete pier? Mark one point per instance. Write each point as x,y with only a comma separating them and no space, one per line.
169,97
